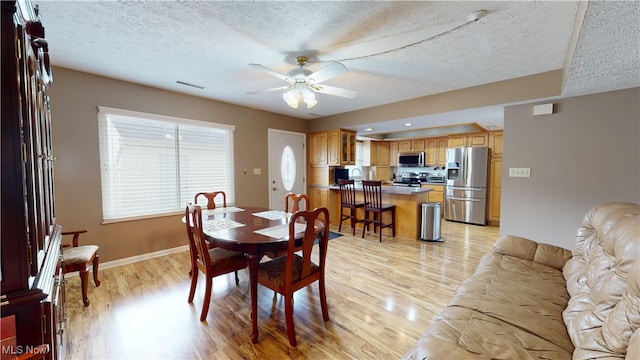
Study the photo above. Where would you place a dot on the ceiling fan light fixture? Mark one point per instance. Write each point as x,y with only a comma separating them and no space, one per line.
292,98
309,98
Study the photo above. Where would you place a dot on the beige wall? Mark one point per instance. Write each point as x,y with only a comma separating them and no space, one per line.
585,154
511,91
74,100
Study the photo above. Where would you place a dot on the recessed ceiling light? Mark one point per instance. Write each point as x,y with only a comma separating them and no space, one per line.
408,124
368,129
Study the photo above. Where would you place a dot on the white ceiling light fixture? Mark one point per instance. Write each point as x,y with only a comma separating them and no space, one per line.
303,83
300,92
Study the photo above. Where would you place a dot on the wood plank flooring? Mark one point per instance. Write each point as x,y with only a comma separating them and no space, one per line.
381,297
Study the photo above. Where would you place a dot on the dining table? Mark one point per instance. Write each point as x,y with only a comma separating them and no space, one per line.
254,231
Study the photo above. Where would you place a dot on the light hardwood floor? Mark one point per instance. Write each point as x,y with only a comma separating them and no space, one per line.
381,297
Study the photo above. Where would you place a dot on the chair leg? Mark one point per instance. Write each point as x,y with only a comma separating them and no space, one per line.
237,278
288,312
365,224
194,281
323,299
96,261
84,279
393,222
341,218
207,298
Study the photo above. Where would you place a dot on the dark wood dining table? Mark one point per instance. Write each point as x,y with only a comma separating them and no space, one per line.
244,239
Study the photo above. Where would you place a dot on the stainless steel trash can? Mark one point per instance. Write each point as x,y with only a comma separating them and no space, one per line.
430,222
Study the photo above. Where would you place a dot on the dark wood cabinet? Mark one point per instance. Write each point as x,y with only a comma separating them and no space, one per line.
31,281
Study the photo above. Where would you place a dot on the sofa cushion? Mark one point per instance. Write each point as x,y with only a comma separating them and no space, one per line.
461,333
511,308
603,279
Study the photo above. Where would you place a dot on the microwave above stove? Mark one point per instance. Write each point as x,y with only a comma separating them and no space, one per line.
411,159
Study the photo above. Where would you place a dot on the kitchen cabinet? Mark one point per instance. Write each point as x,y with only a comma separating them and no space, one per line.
319,197
348,147
430,153
436,194
333,147
413,145
393,153
318,149
441,150
320,175
495,143
341,147
473,139
495,191
382,153
495,177
436,151
31,282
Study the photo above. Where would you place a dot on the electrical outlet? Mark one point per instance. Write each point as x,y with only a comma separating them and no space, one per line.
257,171
520,172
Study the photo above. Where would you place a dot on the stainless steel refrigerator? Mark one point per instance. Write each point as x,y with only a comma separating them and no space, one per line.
465,198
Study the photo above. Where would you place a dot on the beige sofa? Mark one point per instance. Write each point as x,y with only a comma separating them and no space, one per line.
531,300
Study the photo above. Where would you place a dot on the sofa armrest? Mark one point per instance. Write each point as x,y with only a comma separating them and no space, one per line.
545,254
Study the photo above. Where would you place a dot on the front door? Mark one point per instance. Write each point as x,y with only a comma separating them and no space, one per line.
287,165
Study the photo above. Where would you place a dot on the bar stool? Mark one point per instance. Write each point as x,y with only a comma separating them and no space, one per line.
373,204
348,201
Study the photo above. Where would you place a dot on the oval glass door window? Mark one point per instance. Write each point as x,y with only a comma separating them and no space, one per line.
288,168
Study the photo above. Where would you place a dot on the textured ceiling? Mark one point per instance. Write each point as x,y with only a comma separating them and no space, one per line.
211,43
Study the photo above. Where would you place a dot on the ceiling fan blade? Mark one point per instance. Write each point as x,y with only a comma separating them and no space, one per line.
332,90
269,71
327,72
272,89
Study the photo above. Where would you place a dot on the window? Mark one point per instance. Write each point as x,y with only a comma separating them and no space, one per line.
153,165
288,168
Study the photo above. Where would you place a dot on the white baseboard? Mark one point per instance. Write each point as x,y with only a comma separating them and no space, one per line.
137,258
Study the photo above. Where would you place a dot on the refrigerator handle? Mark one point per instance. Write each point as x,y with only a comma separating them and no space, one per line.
465,161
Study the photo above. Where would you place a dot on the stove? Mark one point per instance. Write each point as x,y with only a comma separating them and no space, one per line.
408,179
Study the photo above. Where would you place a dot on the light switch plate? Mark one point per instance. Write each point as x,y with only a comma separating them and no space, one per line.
257,171
520,172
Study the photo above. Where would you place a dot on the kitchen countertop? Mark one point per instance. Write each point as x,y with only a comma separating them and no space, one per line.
392,189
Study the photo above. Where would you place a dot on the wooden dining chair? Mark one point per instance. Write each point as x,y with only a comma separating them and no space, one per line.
373,205
291,272
212,261
77,257
211,196
296,200
348,201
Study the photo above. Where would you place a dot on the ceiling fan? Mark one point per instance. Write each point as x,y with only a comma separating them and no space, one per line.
303,82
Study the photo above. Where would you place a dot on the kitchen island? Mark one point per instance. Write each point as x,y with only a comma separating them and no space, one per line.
407,199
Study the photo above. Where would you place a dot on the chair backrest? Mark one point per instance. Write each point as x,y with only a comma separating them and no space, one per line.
295,200
372,193
211,196
347,191
305,247
197,242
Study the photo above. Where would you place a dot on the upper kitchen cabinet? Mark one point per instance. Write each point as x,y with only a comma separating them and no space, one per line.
495,143
436,151
393,153
318,147
441,150
472,139
411,145
343,143
382,153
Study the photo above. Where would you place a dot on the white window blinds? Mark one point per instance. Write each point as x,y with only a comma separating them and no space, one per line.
154,165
